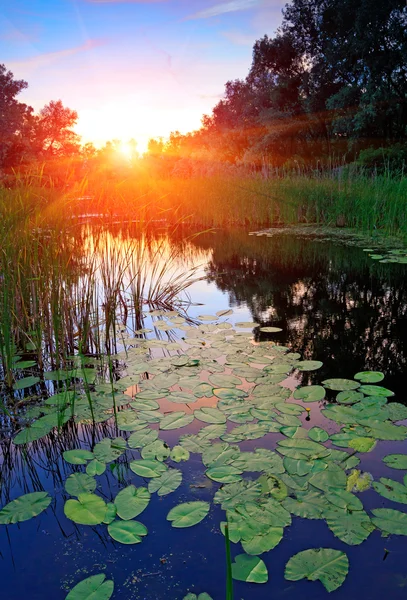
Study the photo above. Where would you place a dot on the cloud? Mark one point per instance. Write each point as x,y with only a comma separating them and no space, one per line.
239,38
223,8
43,60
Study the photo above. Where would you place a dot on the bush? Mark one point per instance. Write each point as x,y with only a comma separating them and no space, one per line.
392,158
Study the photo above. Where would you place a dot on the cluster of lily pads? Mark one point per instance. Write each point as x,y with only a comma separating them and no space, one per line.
398,256
261,491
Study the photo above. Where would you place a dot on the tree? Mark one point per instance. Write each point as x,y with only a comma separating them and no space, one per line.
54,135
15,118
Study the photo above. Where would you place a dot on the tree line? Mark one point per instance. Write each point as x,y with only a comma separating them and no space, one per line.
330,85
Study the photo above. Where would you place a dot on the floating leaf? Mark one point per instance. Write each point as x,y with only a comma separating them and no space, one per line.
224,474
176,420
309,506
241,492
168,482
369,376
92,588
178,454
390,521
131,501
270,329
95,467
263,543
393,490
156,450
341,384
310,393
249,568
108,450
353,528
328,565
148,467
188,513
358,482
88,509
318,434
210,415
80,483
308,365
24,508
362,444
301,448
77,457
127,532
396,461
203,596
349,397
141,438
375,390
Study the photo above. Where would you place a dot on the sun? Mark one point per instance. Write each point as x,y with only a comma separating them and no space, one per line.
126,150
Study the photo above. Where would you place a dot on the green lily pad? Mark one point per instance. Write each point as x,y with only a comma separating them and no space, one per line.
131,501
310,505
349,397
142,438
341,385
77,457
362,444
127,532
393,490
301,448
210,415
369,376
148,467
396,461
310,393
249,568
224,474
328,565
375,390
95,467
188,514
95,587
263,543
317,434
80,483
157,450
168,482
390,521
24,508
308,365
88,509
270,329
176,420
178,454
203,596
232,494
353,528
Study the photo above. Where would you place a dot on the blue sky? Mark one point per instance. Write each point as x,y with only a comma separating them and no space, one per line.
132,68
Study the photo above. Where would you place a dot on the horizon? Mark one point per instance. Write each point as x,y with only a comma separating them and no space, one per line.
130,68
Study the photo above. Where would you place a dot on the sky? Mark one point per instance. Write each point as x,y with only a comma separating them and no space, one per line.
132,68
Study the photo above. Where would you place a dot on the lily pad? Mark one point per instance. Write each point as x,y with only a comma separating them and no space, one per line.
131,501
310,393
188,514
127,532
317,434
168,482
24,508
148,467
308,365
328,565
88,509
390,521
95,587
176,420
77,457
341,385
396,461
80,483
210,415
393,490
375,390
369,376
249,568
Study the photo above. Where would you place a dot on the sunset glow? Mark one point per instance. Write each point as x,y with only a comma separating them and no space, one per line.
132,69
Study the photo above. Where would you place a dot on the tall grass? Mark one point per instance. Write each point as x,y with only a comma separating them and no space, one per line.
66,288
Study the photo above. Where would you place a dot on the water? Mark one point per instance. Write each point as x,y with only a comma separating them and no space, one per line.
335,305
